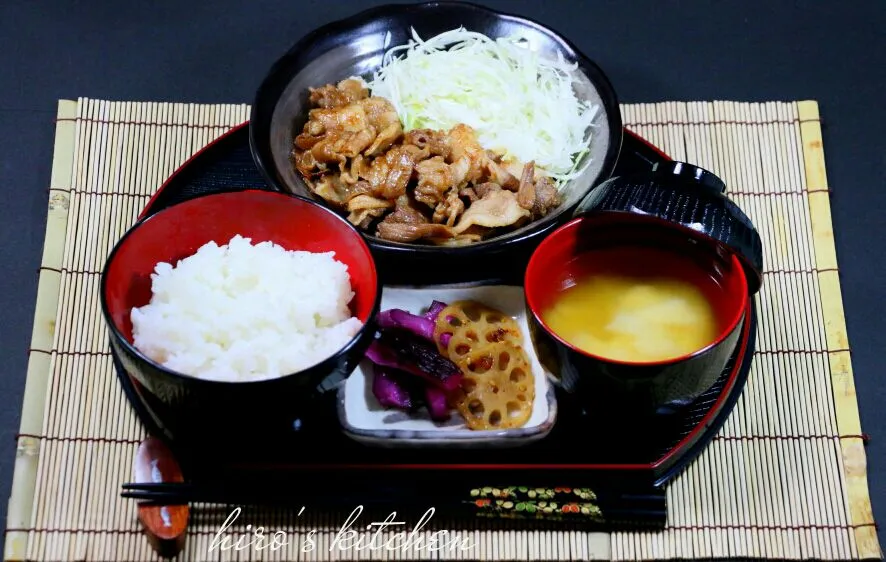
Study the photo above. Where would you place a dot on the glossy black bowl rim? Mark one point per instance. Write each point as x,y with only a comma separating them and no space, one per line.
733,324
323,366
743,239
262,114
749,253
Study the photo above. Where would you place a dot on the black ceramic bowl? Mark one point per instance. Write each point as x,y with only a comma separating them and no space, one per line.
195,407
355,46
646,244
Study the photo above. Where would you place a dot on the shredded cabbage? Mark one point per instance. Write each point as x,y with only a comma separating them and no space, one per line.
520,104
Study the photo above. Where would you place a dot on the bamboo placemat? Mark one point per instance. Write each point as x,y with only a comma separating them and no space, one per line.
784,478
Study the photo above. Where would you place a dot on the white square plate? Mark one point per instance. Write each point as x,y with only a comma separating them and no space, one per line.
367,421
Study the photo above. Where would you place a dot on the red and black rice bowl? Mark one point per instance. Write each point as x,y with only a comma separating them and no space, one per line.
199,401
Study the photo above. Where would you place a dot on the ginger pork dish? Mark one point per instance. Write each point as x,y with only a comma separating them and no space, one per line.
458,139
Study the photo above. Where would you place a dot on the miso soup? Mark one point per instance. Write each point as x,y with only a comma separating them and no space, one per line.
636,305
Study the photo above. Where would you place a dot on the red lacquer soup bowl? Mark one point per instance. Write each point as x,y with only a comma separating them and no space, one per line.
190,404
633,243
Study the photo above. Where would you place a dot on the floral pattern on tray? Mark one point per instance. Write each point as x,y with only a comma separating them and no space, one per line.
550,504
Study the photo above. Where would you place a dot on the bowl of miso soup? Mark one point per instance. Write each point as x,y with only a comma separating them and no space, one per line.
637,300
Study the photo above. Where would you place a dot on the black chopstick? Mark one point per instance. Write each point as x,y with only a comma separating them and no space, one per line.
175,493
180,493
624,510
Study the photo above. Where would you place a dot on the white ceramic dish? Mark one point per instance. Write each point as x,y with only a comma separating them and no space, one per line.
365,420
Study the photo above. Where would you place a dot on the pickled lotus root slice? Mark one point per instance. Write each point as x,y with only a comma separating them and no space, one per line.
462,342
498,387
472,325
485,410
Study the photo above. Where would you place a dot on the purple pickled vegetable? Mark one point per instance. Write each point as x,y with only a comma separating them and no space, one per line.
437,403
384,356
389,390
381,354
416,356
424,355
434,310
396,318
444,339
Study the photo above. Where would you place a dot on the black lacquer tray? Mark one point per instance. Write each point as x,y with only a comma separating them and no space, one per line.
626,463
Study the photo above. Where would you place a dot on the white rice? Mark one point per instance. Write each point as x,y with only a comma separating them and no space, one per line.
244,312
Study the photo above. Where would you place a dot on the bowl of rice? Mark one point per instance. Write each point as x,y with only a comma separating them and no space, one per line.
238,309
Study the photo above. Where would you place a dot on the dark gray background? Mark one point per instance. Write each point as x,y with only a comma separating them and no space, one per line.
219,51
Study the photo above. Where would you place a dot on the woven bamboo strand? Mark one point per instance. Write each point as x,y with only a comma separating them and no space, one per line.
720,483
98,235
805,407
21,503
752,401
112,452
777,456
734,514
836,336
95,384
796,383
82,373
127,185
694,153
836,515
61,333
78,422
720,493
132,182
107,453
746,543
707,540
64,327
781,456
